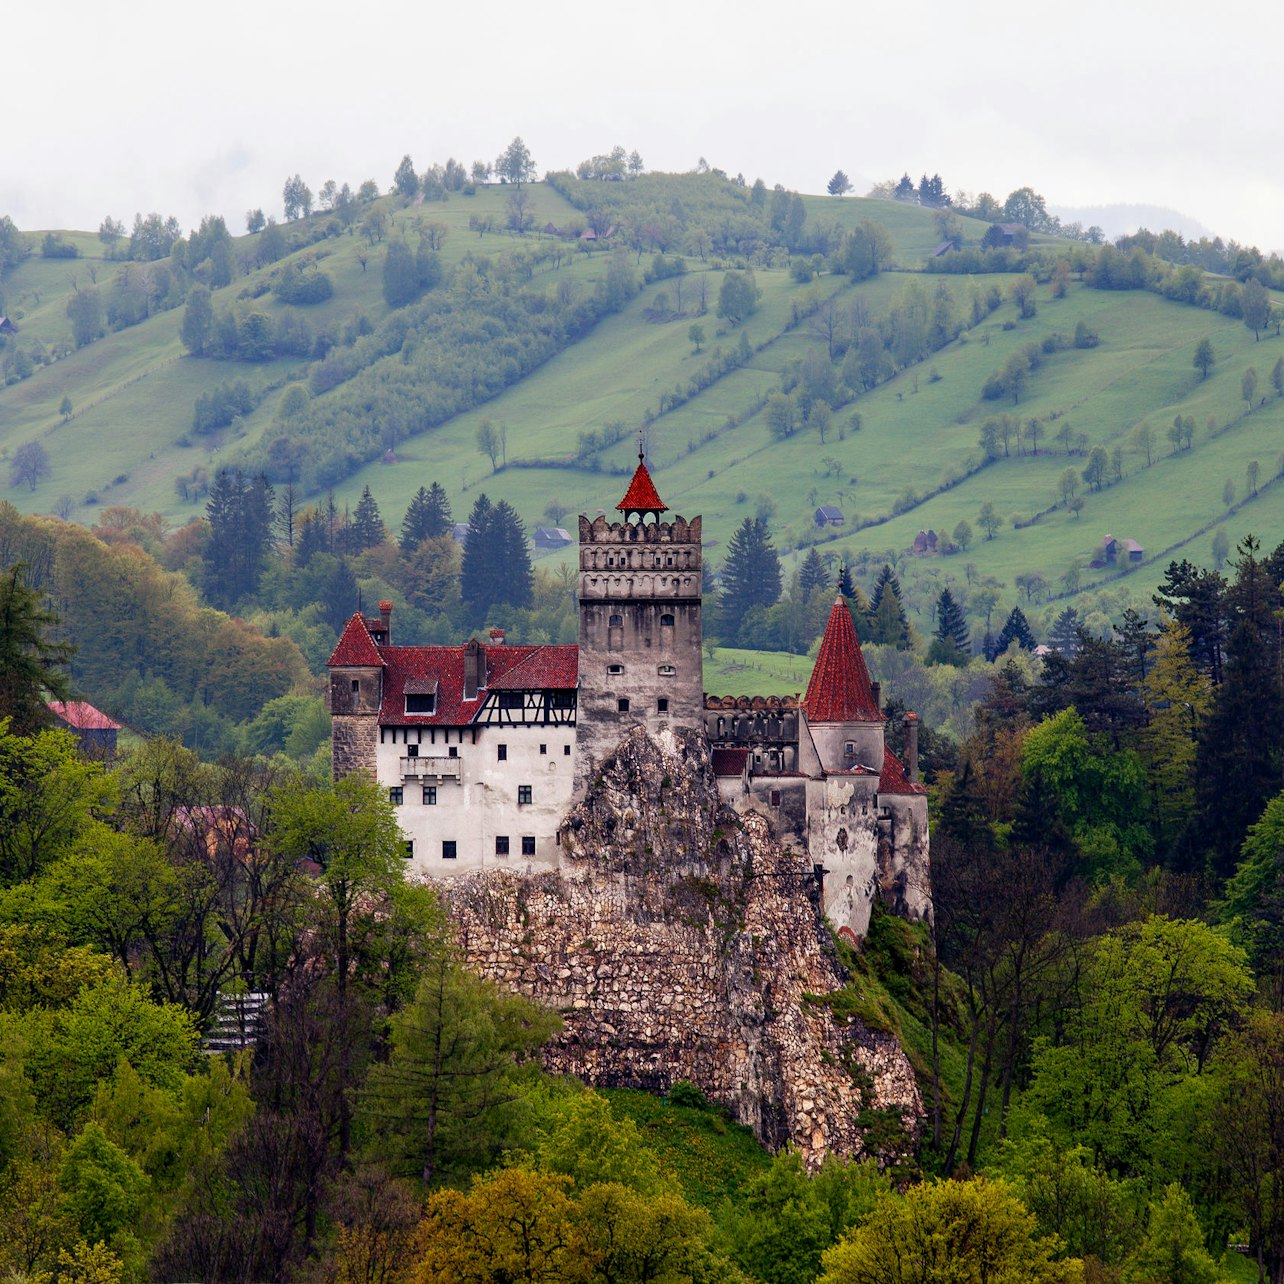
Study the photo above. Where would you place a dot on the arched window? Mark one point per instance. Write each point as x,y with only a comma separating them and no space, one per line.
667,671
666,621
616,622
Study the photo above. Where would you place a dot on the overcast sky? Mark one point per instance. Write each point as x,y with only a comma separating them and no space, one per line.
192,109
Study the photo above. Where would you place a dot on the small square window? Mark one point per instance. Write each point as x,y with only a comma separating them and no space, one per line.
543,748
394,795
566,751
410,849
501,844
448,849
662,705
523,794
453,751
528,844
430,795
614,670
775,797
624,705
356,686
502,752
412,751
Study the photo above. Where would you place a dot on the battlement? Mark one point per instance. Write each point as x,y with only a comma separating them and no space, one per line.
600,531
751,704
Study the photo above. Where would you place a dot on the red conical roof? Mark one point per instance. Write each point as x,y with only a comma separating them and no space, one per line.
642,495
356,647
840,690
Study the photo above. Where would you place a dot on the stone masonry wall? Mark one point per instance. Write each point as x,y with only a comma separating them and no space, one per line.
679,941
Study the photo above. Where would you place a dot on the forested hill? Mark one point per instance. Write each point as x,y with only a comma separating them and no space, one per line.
779,352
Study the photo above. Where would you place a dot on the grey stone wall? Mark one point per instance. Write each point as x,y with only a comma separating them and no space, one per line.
680,941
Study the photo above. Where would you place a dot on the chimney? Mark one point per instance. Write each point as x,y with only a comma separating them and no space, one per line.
385,621
911,745
474,669
877,689
496,637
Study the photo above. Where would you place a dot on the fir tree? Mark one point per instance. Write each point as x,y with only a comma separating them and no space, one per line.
428,517
1063,635
311,538
367,529
812,574
952,643
30,665
846,586
477,580
338,593
241,518
1016,628
516,578
888,624
750,576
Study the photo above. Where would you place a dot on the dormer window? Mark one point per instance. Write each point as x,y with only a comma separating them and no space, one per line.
421,702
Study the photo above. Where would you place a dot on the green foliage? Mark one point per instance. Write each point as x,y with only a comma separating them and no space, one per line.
964,1232
31,663
1173,1251
738,296
104,1187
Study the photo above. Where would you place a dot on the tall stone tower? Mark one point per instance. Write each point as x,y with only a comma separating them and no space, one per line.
640,635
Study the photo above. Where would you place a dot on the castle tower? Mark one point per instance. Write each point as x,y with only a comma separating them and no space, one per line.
841,702
355,693
640,634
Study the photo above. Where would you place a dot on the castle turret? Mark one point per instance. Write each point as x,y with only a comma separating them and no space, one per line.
640,632
842,708
356,690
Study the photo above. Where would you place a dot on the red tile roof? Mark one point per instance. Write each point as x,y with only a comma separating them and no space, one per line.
82,715
508,668
356,646
894,780
729,762
642,494
840,689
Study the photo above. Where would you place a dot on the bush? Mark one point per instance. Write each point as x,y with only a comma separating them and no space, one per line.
685,1093
302,286
54,247
1085,336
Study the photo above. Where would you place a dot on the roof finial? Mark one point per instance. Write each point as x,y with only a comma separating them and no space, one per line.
641,445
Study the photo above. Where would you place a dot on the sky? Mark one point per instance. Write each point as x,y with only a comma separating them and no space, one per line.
190,110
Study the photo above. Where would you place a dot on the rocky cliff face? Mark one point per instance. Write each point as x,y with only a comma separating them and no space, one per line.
679,941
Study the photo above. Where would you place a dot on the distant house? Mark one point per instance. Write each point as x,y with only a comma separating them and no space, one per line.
7,326
944,248
926,544
389,456
1109,550
93,728
460,531
550,537
588,234
828,515
1004,234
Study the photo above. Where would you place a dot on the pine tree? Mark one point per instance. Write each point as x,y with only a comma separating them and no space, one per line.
478,574
846,586
1064,631
750,576
952,643
241,518
812,575
1016,628
428,517
1178,699
311,538
339,594
516,583
30,665
367,525
888,623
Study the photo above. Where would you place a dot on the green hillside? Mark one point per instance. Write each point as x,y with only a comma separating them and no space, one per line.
915,462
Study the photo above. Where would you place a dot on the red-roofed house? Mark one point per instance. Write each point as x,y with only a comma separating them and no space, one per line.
93,728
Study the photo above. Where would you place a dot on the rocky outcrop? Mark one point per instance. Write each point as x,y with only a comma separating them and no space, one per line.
680,941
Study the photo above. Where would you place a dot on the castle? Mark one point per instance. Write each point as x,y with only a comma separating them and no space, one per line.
484,747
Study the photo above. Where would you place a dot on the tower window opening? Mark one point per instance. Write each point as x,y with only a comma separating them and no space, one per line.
666,621
615,670
616,621
624,705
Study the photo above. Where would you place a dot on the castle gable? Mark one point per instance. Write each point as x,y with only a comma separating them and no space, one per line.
840,689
